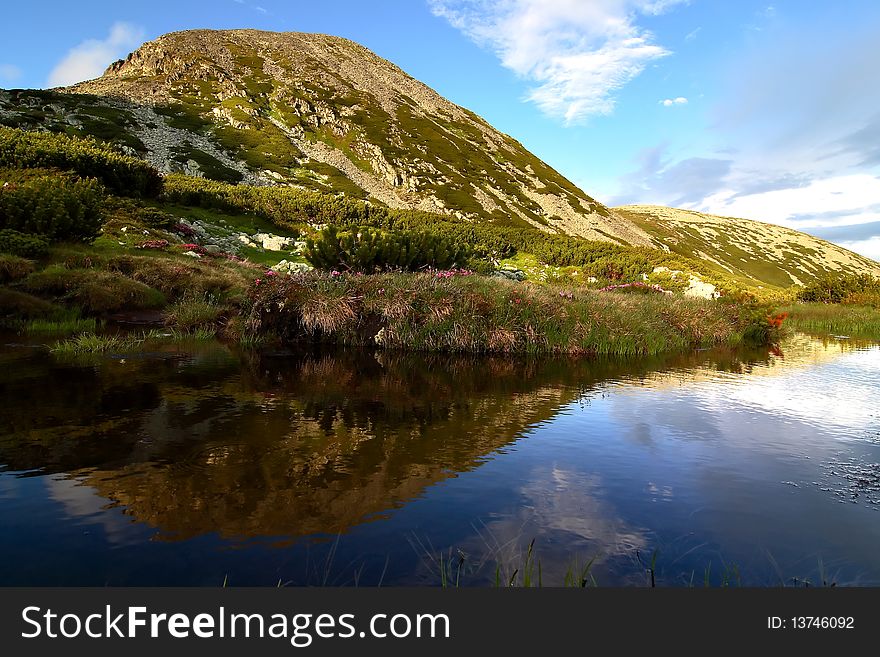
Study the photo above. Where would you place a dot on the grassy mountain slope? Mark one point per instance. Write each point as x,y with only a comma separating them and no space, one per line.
323,113
744,249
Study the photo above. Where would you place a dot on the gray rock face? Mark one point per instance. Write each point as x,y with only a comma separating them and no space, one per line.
510,274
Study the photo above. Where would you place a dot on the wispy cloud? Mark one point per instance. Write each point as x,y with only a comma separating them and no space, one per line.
794,140
693,34
578,54
257,8
660,180
671,102
89,59
820,202
9,73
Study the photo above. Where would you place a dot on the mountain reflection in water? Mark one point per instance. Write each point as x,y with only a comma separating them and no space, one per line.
184,466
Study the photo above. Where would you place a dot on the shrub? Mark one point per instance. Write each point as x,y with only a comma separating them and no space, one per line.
124,175
155,218
292,208
59,207
19,244
867,299
370,250
838,288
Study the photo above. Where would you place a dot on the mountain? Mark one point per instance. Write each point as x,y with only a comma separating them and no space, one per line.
745,249
324,113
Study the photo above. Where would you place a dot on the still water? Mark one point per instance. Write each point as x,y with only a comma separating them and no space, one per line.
199,464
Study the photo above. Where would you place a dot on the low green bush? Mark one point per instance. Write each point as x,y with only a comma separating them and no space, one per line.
840,288
369,250
56,206
193,312
89,158
20,244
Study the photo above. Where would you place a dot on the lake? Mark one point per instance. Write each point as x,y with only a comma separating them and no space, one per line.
199,464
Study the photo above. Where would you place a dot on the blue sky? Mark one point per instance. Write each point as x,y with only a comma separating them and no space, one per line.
766,110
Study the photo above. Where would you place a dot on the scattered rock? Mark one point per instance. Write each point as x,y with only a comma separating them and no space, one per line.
272,242
510,273
701,290
285,267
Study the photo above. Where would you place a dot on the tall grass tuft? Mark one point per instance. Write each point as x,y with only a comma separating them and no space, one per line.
90,343
13,268
194,313
68,323
838,319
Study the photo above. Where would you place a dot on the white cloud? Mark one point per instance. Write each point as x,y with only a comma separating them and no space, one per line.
669,102
89,59
851,196
577,53
9,73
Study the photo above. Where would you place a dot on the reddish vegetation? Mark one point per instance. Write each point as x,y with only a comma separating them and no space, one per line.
154,244
776,320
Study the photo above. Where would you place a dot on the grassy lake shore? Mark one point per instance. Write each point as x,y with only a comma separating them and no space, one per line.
76,288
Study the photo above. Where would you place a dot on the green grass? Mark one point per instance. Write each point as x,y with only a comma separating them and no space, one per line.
178,115
67,323
126,343
267,258
837,319
244,223
90,343
210,166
